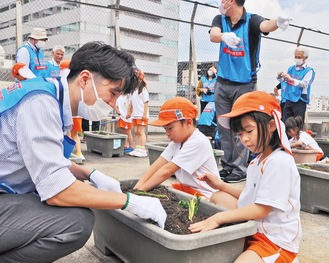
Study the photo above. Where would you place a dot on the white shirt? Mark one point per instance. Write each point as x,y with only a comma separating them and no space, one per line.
31,152
138,101
123,103
275,182
307,140
195,158
23,54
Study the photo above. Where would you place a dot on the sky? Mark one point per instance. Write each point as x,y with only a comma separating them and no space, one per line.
274,56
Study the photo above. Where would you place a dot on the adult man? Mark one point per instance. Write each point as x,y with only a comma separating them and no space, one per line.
297,84
33,167
31,52
53,65
239,34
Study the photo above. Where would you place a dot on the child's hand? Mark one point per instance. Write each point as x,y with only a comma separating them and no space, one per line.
205,225
212,180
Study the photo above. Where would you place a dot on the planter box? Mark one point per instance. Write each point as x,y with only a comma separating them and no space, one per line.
304,156
314,192
155,150
109,144
134,240
324,145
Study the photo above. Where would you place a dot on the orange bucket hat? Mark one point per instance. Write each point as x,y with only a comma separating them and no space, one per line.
175,109
21,69
65,64
257,101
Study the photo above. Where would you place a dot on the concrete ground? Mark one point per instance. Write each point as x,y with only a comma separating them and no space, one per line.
314,246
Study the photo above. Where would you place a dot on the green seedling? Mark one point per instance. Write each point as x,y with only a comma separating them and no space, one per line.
160,196
192,204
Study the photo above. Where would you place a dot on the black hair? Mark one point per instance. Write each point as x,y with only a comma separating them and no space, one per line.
109,62
262,120
295,123
194,122
240,2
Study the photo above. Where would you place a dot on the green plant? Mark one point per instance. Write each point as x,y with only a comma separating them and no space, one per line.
160,196
192,204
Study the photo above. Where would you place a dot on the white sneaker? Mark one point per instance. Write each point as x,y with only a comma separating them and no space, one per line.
140,153
76,158
82,157
133,152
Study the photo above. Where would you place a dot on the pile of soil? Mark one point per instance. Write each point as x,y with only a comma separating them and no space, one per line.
177,217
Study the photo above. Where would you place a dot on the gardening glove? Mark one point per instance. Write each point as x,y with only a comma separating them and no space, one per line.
283,22
231,39
146,207
104,182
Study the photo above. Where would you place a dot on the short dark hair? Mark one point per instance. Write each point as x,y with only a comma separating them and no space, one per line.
240,2
262,121
296,124
109,62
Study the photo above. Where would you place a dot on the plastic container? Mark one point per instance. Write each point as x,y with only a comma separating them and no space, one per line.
109,144
304,156
133,239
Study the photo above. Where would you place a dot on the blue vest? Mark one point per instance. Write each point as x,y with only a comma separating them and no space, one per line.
11,96
234,63
38,64
208,114
210,84
294,93
53,71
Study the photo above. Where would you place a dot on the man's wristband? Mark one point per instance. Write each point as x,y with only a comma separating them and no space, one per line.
88,177
127,201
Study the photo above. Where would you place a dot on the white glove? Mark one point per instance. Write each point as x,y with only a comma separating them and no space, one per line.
147,208
231,39
283,22
104,182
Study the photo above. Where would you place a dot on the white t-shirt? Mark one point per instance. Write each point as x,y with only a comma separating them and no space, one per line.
138,101
123,103
276,182
195,158
307,140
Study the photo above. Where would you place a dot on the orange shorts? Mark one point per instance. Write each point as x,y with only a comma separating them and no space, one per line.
77,124
140,122
124,125
260,244
187,189
319,156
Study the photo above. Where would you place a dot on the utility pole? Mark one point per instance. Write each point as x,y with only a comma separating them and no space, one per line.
19,32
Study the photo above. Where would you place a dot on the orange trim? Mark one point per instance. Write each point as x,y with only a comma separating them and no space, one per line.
260,244
187,189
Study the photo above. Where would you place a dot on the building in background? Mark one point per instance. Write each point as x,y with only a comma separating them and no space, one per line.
136,28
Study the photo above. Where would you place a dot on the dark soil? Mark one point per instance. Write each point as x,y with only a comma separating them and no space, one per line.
177,217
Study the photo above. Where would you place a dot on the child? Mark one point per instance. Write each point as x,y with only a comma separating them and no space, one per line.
124,123
139,111
188,155
300,138
272,191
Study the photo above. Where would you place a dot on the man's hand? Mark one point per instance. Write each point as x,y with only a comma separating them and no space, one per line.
104,182
283,22
147,208
231,39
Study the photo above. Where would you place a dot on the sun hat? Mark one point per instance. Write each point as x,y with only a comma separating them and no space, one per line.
38,33
174,109
65,63
21,69
257,101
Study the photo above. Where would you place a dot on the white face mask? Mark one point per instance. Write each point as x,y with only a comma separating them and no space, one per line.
299,61
41,44
222,10
210,73
100,110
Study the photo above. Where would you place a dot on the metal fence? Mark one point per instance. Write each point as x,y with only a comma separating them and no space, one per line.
191,24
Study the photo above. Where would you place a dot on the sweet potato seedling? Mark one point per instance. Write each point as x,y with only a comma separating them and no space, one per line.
192,204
